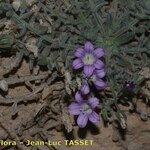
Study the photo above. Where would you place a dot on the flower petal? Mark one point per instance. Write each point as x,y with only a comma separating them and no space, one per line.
74,109
85,89
100,73
94,117
89,46
82,120
77,63
79,52
99,52
93,101
78,97
100,84
88,70
99,64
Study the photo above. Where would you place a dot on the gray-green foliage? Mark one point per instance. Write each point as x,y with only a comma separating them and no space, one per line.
121,27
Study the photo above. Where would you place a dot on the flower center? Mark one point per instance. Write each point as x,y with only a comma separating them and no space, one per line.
86,109
93,78
88,59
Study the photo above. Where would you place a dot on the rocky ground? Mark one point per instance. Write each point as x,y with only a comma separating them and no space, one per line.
109,137
32,102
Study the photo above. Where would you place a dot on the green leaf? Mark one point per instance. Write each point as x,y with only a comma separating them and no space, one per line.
6,41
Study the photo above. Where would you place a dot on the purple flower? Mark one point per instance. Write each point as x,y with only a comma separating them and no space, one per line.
96,79
129,85
84,109
85,89
88,58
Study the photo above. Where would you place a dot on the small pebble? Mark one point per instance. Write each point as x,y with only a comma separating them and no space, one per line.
3,85
144,116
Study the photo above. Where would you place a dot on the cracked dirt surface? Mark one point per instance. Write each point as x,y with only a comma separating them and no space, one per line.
136,138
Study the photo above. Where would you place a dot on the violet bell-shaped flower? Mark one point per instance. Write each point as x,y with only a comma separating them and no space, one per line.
85,109
85,89
129,85
88,58
97,80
